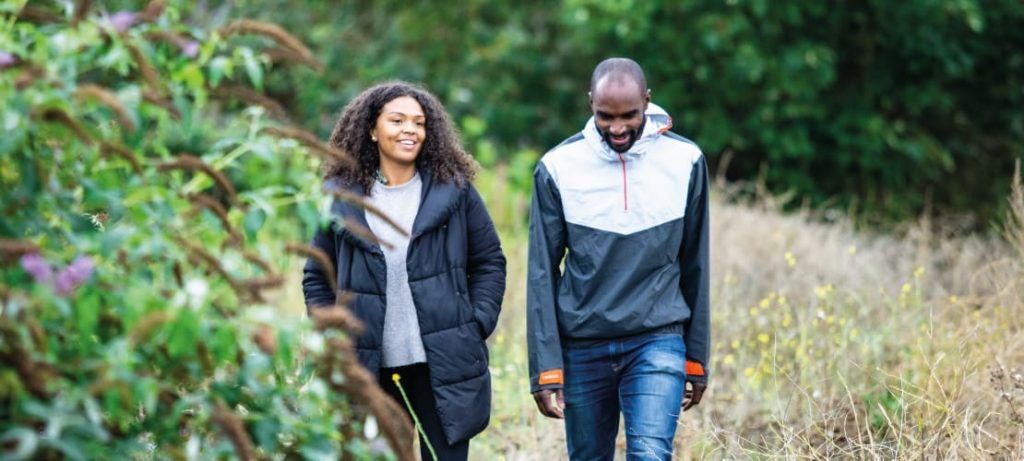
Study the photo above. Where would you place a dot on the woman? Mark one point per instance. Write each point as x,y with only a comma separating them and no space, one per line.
430,293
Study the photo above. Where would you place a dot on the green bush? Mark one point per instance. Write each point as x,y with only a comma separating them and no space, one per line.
148,192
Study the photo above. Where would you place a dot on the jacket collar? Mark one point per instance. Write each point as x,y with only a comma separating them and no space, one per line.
437,202
658,121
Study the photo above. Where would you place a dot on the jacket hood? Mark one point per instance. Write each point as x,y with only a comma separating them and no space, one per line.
658,121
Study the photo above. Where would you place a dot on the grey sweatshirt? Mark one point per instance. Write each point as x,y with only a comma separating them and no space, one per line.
402,342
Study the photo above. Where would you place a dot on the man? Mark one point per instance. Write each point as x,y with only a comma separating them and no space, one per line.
625,328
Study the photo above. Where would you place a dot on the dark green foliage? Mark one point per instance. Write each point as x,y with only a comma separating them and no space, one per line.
876,106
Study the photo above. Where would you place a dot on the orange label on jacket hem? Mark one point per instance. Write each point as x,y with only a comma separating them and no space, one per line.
550,377
694,368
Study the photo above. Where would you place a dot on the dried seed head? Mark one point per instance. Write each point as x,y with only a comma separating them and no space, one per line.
265,339
320,257
168,36
157,100
250,96
362,386
16,248
362,232
153,11
215,207
33,375
287,55
122,152
361,202
81,10
145,326
257,260
149,74
310,141
193,163
38,16
108,99
255,286
270,30
199,256
54,115
336,316
233,427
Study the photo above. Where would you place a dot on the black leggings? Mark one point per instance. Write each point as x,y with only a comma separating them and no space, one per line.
415,380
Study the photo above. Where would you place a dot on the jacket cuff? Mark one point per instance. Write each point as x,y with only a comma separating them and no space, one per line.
548,379
695,372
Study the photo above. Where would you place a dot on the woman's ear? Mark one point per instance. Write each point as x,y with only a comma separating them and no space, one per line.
373,134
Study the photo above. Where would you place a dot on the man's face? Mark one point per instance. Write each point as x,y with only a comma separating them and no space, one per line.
619,111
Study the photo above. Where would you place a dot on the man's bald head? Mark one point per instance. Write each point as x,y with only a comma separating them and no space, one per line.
619,98
619,71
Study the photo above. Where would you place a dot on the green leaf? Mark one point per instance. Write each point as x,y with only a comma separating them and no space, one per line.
224,344
253,67
220,67
87,310
191,75
253,221
22,443
181,343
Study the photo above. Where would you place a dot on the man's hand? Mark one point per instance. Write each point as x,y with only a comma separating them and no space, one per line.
547,407
693,394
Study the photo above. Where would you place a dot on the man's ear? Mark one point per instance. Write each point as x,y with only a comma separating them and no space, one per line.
647,98
590,98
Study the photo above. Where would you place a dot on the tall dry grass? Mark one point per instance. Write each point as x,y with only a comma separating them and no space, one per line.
828,343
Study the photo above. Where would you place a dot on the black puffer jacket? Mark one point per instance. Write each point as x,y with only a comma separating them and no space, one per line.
457,278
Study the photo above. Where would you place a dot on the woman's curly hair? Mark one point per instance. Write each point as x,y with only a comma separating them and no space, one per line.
442,155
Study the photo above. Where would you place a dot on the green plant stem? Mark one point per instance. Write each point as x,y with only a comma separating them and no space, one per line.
419,427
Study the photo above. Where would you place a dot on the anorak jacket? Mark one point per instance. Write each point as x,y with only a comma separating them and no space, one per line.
635,226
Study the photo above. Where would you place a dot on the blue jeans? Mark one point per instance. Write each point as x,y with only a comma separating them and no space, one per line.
643,377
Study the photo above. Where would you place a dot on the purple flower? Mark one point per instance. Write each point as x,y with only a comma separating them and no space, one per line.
72,276
122,20
190,48
34,264
7,59
66,280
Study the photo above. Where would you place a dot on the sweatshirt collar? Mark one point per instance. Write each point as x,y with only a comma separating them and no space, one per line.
658,121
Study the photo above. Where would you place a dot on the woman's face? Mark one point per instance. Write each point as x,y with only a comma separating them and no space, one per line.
400,131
